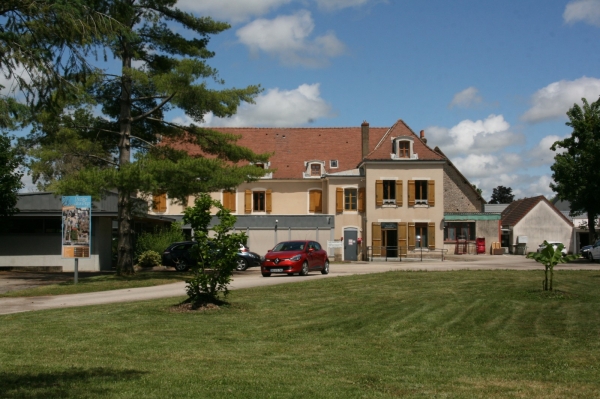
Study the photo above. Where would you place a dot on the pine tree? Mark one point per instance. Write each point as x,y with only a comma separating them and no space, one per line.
162,66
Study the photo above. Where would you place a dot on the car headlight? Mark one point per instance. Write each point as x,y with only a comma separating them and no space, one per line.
296,258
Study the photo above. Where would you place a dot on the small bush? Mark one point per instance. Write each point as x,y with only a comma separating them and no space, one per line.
149,259
159,240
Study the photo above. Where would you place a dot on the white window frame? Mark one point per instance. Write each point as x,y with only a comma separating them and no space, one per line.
396,144
308,168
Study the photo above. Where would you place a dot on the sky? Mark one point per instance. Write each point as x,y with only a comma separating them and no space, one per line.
489,81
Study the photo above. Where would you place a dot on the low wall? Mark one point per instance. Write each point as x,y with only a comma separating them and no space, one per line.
91,264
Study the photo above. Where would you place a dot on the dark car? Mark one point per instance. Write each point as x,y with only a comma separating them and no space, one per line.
178,255
295,257
585,251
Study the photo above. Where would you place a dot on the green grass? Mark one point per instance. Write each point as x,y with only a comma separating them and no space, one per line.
465,334
104,282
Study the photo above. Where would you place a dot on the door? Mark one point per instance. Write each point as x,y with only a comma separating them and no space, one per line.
350,244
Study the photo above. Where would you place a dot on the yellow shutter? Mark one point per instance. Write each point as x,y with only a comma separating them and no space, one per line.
248,201
232,200
318,201
411,236
431,192
159,202
402,242
379,192
311,201
376,234
269,205
411,193
361,199
431,235
339,200
399,192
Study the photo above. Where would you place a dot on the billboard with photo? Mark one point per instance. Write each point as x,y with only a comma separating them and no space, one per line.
76,226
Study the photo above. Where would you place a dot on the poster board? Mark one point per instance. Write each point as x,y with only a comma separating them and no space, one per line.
76,226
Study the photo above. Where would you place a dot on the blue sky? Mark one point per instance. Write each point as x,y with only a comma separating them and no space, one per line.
489,81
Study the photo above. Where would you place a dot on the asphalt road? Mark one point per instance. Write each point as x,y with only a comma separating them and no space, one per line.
253,278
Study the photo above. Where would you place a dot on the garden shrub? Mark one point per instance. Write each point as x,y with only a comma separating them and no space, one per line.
149,259
159,239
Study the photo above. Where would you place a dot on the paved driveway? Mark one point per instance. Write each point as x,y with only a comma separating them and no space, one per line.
253,278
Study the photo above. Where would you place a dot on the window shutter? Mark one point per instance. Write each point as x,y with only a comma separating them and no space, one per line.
229,200
431,192
399,193
319,201
361,199
376,234
411,236
431,235
312,204
248,201
339,200
232,200
379,192
159,202
402,242
411,193
269,206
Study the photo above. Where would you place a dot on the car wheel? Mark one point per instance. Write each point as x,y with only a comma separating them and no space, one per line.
242,265
290,274
325,268
181,265
266,274
591,257
304,270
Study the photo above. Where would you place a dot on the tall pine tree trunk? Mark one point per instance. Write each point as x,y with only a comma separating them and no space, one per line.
125,259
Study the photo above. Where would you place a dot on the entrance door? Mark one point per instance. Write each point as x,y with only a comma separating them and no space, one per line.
390,243
350,244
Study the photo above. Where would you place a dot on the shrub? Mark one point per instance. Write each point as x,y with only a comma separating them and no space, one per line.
159,240
149,259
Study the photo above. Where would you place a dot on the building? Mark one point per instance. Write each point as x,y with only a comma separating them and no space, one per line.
362,191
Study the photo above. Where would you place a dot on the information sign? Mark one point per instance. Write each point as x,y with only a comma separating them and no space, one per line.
76,226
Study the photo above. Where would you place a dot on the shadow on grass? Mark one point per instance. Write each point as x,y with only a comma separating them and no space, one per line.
71,383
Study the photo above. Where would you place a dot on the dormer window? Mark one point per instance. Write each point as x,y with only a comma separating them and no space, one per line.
402,148
314,169
264,165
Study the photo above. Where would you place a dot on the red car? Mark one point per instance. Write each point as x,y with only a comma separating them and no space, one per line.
295,257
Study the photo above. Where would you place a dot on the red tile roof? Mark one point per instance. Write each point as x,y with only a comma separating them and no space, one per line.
292,147
517,210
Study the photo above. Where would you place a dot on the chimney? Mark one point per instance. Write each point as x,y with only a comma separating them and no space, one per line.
423,139
364,128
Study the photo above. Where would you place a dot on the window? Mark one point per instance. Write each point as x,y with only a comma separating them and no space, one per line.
315,169
455,230
421,192
421,235
388,192
350,199
333,163
258,201
403,149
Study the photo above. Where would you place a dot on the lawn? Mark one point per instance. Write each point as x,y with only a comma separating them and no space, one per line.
105,282
464,334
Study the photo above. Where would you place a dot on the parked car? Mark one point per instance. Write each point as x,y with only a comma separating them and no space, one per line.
554,245
178,255
295,257
594,254
585,251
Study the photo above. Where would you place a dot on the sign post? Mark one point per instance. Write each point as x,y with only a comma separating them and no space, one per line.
76,229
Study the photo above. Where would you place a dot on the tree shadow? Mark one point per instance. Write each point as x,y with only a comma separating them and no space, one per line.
70,383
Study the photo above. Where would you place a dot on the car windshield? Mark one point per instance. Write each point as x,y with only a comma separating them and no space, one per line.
289,246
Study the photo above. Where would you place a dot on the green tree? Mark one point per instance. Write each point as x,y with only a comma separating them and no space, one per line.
550,257
216,254
502,195
162,66
576,170
479,191
10,176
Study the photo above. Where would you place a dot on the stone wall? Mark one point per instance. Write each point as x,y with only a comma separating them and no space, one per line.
459,196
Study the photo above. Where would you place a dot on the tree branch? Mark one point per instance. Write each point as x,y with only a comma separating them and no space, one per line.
96,157
159,106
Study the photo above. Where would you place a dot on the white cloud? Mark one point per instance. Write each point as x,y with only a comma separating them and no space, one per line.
281,108
583,10
466,98
542,154
487,165
231,10
339,4
484,136
554,100
541,186
288,38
